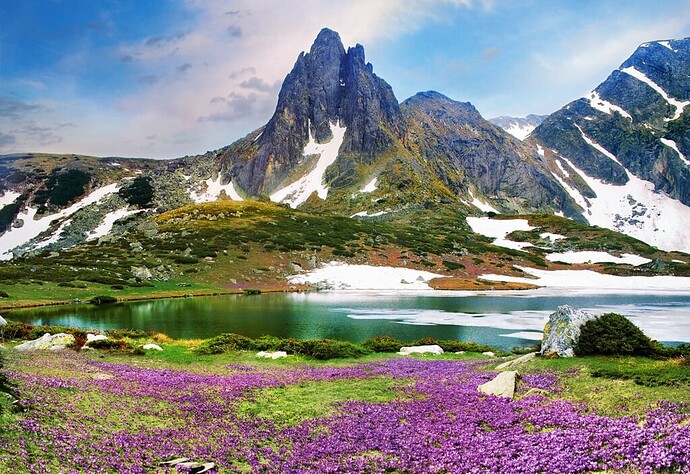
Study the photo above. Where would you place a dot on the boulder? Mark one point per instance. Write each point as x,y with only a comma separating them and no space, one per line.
48,342
150,346
519,360
431,349
489,354
562,331
272,355
3,321
95,337
503,385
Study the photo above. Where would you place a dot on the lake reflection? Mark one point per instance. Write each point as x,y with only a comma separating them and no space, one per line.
504,321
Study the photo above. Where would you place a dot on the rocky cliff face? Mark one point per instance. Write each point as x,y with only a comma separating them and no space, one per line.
327,86
475,158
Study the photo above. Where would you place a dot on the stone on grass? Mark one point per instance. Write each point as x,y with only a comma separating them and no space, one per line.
519,360
3,321
503,385
489,354
430,349
48,342
562,331
150,346
95,337
272,355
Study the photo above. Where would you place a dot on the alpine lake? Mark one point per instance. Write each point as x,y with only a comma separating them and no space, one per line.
503,320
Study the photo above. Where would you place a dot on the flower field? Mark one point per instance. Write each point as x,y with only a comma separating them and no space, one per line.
85,414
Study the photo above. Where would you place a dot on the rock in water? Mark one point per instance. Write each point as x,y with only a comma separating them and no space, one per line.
562,331
48,342
503,385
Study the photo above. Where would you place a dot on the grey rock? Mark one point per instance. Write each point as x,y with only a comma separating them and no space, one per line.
3,321
141,272
503,385
562,331
518,361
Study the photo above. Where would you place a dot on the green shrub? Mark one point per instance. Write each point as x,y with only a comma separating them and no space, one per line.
325,349
139,192
227,342
269,343
16,330
613,334
453,265
4,294
130,333
383,344
110,344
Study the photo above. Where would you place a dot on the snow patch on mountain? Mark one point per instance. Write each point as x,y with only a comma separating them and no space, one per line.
596,102
366,214
671,144
214,188
298,192
635,209
499,229
519,127
597,147
8,198
482,206
343,276
31,229
109,220
370,187
679,105
572,256
595,282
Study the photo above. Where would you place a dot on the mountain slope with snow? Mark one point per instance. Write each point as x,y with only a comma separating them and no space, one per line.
621,152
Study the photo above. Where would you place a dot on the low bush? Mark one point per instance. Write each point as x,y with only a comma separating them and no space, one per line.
110,344
227,342
325,349
452,345
613,334
126,333
4,294
383,344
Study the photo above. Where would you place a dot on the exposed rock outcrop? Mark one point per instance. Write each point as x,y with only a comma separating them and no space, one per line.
47,342
562,331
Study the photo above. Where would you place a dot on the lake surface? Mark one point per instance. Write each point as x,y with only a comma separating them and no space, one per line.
504,320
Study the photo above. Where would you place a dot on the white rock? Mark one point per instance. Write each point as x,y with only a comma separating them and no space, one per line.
489,354
503,385
155,347
95,337
48,342
431,349
272,355
3,321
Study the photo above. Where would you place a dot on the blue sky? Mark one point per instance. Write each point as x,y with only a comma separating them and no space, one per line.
166,78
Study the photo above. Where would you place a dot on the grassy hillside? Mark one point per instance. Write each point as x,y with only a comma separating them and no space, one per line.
234,246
